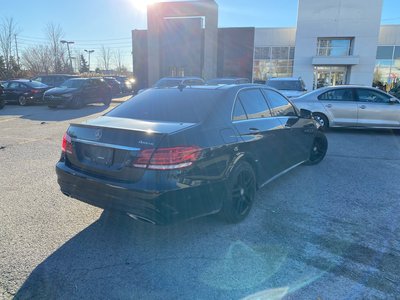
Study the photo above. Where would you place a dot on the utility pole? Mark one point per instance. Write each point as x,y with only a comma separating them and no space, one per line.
69,52
16,49
89,52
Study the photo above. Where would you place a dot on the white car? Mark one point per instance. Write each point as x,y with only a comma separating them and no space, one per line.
352,106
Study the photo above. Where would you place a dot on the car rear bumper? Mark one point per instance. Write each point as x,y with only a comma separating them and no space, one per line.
153,206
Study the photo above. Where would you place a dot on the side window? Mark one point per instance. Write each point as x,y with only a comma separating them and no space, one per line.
13,85
238,112
279,105
367,95
254,104
338,95
38,79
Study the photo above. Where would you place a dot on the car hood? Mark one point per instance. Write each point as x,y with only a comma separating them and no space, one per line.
291,93
60,91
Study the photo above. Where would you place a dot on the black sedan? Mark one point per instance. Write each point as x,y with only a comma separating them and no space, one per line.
78,92
24,91
2,102
180,153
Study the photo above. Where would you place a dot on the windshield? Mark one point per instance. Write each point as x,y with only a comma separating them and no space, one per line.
288,85
73,83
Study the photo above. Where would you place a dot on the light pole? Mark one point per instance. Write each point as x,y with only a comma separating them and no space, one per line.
69,53
89,52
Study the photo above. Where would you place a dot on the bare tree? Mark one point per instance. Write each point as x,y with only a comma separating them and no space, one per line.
105,57
36,59
8,30
55,34
118,60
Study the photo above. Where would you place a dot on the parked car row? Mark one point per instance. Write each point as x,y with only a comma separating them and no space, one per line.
61,89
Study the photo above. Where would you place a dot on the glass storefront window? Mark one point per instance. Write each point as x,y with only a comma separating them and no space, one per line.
329,76
334,46
387,66
273,62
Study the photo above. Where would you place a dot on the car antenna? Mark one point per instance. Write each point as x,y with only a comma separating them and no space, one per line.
181,86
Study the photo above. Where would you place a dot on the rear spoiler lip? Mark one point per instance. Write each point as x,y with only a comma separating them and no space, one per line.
95,123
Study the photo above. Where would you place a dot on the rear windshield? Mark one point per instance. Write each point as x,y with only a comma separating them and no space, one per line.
73,83
163,83
169,105
288,85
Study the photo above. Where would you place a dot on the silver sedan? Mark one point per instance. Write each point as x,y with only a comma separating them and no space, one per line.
352,106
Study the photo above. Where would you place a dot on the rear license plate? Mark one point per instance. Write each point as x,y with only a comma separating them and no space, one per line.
99,155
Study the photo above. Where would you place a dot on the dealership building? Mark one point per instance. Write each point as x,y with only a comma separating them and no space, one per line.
335,42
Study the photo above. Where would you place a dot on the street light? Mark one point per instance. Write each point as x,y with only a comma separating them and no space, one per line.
69,53
89,52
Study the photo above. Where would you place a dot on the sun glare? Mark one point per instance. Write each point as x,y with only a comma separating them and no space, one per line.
141,5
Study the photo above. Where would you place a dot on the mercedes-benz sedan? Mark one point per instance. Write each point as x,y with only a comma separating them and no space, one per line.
180,153
352,106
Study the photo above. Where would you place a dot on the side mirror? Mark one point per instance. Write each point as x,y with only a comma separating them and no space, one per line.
305,114
394,101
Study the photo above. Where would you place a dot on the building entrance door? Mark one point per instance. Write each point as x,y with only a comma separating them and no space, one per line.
329,76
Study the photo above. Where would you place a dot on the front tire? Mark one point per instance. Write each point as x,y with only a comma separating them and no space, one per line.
318,149
76,103
240,195
22,101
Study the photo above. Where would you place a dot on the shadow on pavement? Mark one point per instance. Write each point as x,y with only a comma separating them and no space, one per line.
118,258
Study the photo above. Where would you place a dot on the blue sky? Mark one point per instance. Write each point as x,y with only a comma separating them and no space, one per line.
92,23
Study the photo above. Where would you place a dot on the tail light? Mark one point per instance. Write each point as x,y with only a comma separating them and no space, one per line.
66,146
167,158
35,91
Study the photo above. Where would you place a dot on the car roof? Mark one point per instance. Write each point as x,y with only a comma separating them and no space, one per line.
285,78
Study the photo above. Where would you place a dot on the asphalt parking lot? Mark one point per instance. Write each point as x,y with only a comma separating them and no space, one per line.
329,231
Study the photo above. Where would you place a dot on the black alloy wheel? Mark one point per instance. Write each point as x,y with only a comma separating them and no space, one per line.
322,120
241,193
318,149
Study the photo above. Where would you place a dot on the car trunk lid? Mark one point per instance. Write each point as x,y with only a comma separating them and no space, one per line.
108,147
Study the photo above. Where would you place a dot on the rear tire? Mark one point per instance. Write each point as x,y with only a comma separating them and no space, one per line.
2,104
22,101
318,149
240,194
322,120
76,103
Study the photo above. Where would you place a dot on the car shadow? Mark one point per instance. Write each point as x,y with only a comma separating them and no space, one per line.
277,250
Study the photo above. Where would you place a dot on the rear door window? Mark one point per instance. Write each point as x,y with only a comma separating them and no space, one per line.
280,106
254,104
338,95
238,112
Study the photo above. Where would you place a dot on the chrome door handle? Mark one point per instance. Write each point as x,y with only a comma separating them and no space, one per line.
329,105
254,130
363,107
